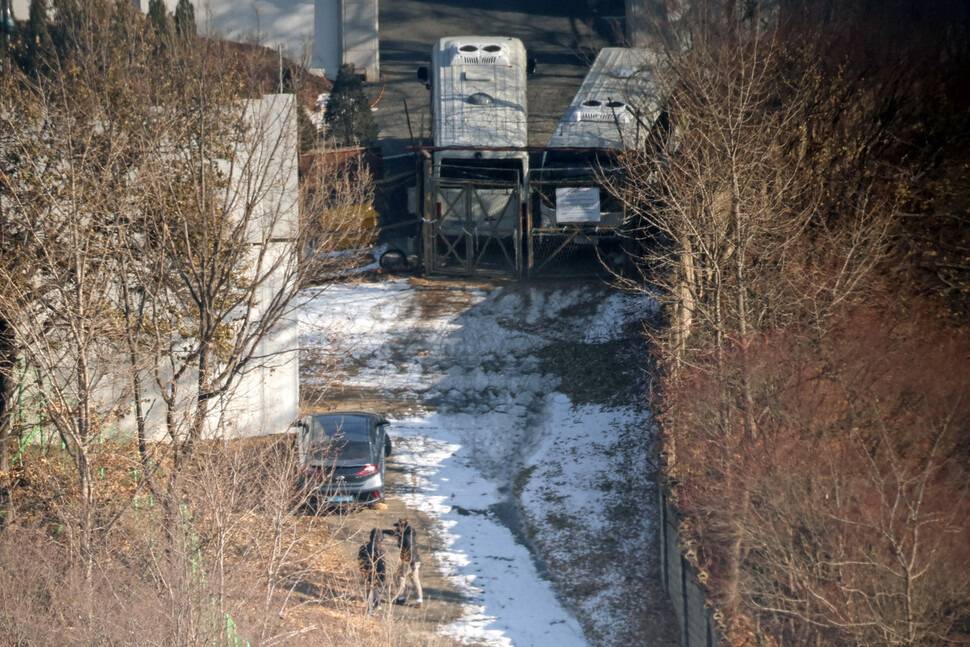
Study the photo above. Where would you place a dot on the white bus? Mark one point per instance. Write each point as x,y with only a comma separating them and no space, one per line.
479,164
612,111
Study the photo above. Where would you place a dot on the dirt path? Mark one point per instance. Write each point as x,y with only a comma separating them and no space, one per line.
523,447
442,603
328,385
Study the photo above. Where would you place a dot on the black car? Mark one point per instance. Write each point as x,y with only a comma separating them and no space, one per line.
342,455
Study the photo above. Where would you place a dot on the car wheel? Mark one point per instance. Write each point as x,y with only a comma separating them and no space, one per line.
393,260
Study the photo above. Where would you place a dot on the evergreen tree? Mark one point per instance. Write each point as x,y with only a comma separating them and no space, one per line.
348,111
38,47
307,131
185,19
158,17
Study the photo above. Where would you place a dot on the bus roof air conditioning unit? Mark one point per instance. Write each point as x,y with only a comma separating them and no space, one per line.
479,54
600,111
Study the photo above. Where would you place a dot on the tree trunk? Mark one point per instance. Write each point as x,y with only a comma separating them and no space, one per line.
8,384
685,302
132,329
739,492
87,515
202,395
85,482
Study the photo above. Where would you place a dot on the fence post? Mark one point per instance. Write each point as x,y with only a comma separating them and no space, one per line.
429,198
662,528
685,599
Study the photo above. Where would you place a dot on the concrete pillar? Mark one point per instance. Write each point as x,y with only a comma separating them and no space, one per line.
346,31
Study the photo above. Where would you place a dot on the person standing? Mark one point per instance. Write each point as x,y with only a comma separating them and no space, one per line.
371,559
410,565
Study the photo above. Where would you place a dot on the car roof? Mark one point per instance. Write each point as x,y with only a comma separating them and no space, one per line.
347,414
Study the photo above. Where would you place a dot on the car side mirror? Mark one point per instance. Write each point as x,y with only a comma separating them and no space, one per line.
423,73
530,66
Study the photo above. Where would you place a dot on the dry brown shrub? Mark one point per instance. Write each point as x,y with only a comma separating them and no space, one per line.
857,479
227,548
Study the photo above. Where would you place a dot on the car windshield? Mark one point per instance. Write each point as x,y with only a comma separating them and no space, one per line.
338,438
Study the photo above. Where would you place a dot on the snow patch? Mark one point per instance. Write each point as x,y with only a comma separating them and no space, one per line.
578,483
484,411
616,312
508,603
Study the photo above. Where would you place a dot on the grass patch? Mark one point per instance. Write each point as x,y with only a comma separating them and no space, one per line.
522,479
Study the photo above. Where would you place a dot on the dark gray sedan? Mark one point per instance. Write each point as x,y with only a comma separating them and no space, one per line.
342,455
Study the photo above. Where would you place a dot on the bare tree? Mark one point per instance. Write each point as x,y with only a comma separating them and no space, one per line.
728,201
159,210
156,235
60,197
234,242
766,201
729,211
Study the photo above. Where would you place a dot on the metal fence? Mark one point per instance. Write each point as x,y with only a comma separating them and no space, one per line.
679,578
482,217
474,229
555,247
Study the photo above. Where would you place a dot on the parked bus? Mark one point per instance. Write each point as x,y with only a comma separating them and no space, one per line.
612,111
479,167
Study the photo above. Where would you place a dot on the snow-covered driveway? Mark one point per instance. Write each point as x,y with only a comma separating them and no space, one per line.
517,425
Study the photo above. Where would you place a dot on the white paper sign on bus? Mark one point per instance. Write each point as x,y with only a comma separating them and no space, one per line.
577,204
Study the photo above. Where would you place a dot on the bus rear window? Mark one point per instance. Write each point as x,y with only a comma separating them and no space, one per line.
504,170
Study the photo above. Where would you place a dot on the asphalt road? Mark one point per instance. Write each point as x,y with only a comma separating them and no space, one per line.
563,36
